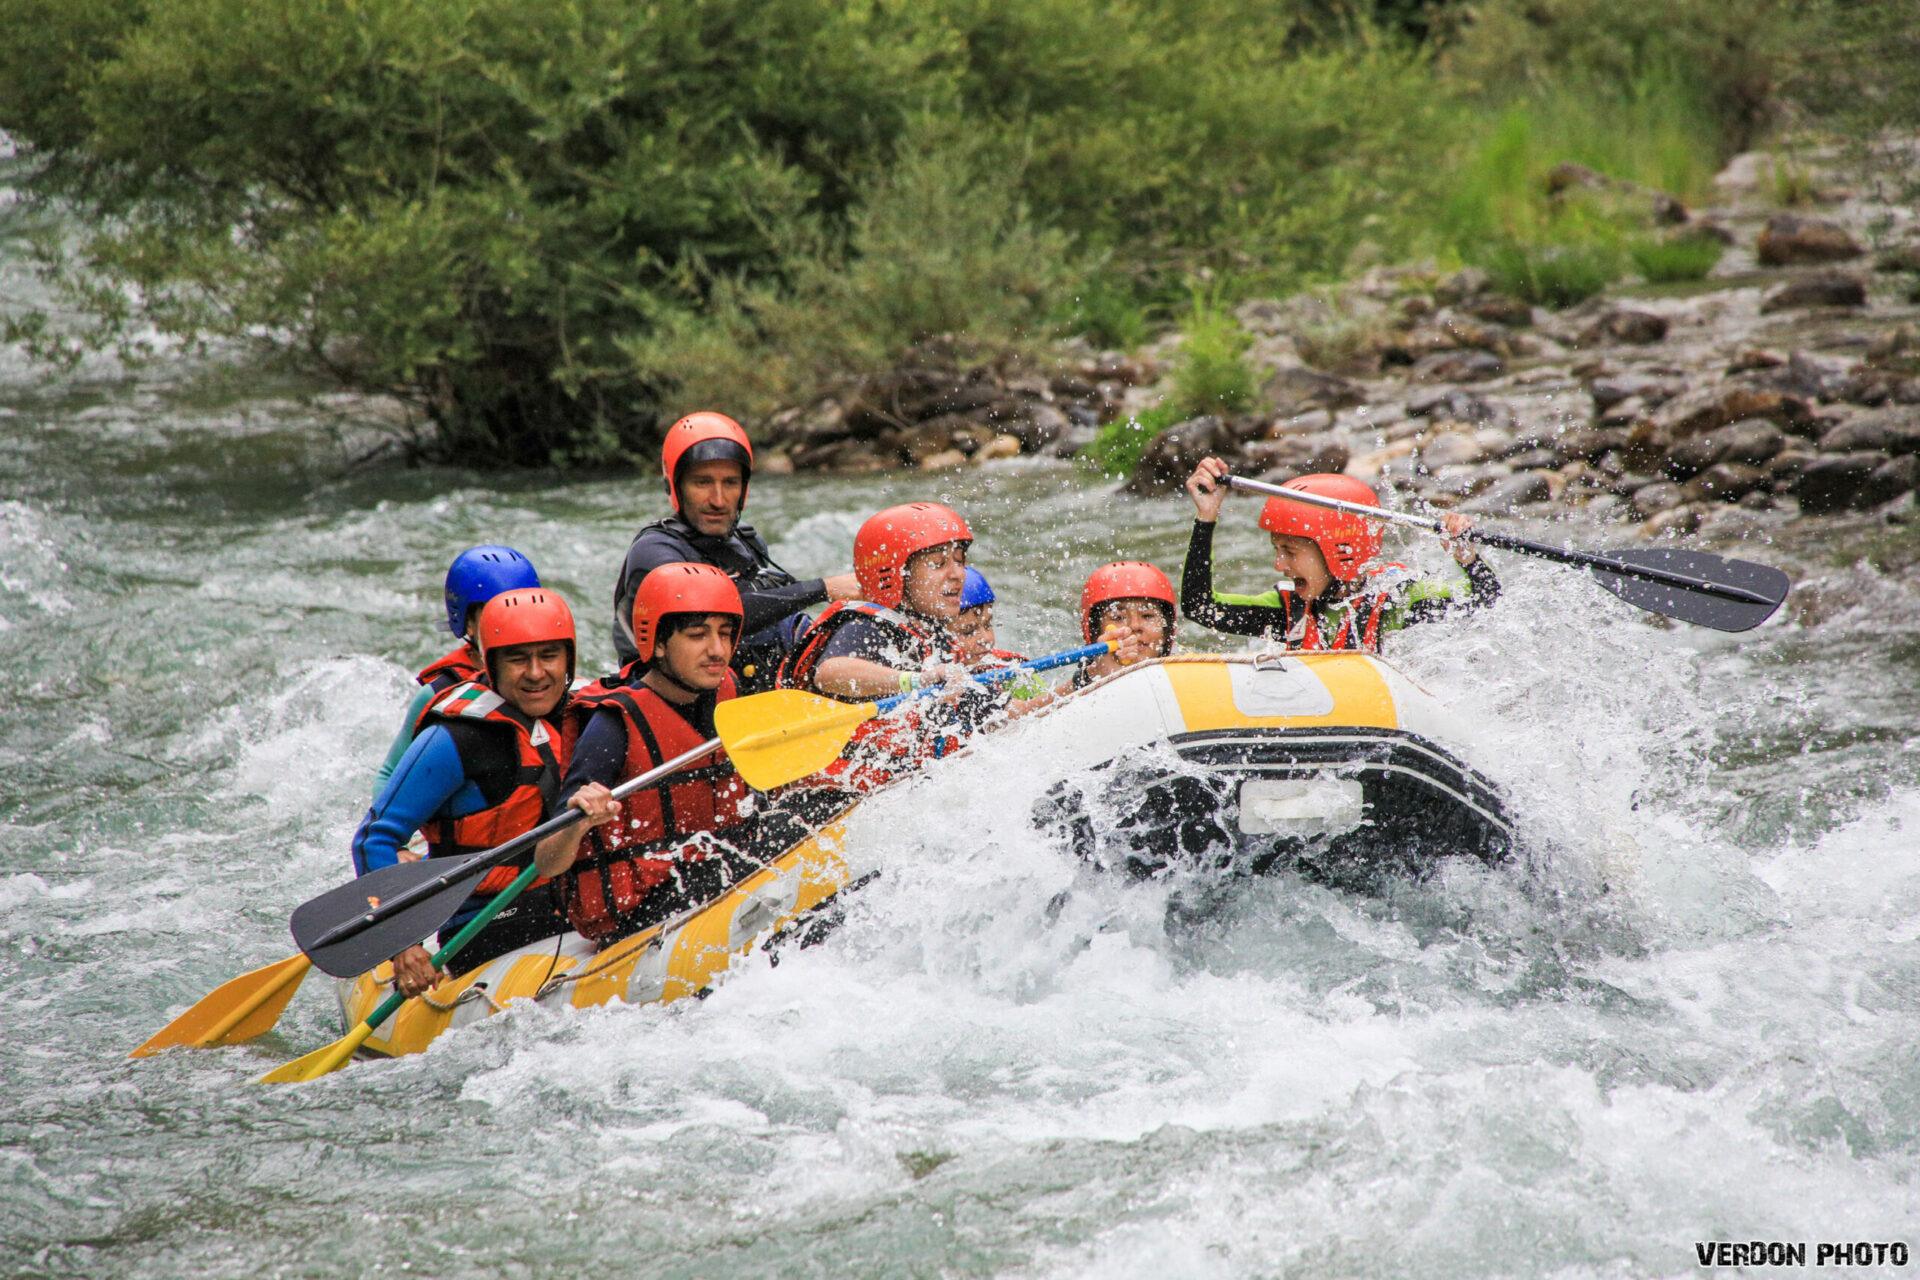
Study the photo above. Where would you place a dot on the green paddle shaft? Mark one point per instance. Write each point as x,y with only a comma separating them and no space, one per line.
481,919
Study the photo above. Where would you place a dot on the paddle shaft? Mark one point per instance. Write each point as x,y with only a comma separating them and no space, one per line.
1507,542
997,675
467,868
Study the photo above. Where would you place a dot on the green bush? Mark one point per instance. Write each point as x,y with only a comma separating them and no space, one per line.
1675,258
1553,275
1211,375
1116,449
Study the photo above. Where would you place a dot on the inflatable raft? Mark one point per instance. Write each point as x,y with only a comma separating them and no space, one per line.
1333,762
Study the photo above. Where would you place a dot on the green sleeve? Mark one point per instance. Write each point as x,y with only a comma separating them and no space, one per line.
404,739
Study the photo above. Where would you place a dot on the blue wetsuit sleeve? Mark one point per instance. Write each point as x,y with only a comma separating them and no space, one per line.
403,739
428,776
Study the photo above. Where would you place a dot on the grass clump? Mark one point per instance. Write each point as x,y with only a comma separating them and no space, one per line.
1211,376
1675,258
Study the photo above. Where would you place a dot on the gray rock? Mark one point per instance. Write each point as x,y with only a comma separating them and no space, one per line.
1452,450
1816,377
1073,440
1036,426
1758,500
1725,482
1535,460
1836,482
1827,289
1590,442
1451,403
1628,325
1750,443
1891,479
1505,494
1468,282
1662,495
1297,456
1674,522
1610,391
1172,455
1459,366
1500,309
1895,431
1709,408
1623,413
1311,422
1297,389
1788,240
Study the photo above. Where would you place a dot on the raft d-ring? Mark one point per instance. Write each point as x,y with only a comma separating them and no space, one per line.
1270,660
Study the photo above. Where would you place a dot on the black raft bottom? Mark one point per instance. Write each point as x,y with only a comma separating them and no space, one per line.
1181,811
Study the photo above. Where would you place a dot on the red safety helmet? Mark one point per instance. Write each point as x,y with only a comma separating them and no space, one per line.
531,615
1347,541
704,437
1125,580
682,587
888,540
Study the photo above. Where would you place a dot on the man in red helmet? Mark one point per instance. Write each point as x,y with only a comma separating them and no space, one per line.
484,767
1131,602
1333,595
685,840
911,563
707,463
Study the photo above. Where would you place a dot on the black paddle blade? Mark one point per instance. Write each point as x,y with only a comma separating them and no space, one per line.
1727,595
362,949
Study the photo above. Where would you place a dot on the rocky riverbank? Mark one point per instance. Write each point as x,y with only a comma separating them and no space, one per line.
1786,382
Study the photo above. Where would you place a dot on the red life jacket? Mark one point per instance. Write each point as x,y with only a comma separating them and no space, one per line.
1370,599
542,752
886,746
455,668
675,820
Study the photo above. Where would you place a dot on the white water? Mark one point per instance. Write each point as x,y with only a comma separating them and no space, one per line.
1688,1013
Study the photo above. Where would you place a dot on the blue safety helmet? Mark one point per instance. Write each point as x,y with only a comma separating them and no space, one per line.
478,574
976,592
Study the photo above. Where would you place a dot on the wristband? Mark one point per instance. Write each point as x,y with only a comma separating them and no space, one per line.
909,682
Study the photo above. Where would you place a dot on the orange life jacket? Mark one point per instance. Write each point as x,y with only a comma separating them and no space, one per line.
886,746
542,753
446,672
675,820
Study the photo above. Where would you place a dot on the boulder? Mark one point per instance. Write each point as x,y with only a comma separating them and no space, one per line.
1894,431
1725,482
1588,443
1622,413
1296,457
1628,325
1837,482
1459,366
1036,426
1310,423
1298,388
1609,391
1468,282
945,460
1788,240
1172,455
1753,358
1827,289
1709,408
1002,446
1503,495
1454,449
1662,495
1751,442
1535,460
1901,257
1674,522
1891,479
1450,403
1648,444
1499,308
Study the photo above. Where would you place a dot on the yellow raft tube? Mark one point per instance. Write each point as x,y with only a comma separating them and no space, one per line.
1316,747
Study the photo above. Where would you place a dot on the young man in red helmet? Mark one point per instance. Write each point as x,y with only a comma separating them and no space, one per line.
707,462
485,767
1129,601
911,562
683,841
1333,595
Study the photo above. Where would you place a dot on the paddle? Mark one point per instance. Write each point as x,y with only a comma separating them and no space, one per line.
334,1056
350,929
1691,586
774,738
236,1010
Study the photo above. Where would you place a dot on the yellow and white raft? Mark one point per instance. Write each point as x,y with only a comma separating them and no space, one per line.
1333,761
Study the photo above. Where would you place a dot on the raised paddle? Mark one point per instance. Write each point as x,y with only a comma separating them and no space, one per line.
350,929
774,738
1691,586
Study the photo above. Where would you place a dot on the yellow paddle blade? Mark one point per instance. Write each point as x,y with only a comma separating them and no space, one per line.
320,1062
774,738
238,1010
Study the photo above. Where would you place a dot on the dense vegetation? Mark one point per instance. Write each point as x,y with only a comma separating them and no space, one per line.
548,222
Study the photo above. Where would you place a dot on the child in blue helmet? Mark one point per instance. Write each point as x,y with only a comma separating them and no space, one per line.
476,576
974,643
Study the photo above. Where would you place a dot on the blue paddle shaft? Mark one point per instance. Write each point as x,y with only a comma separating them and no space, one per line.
1066,658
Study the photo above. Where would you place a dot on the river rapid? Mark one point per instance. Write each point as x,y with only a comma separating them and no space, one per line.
1690,1012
